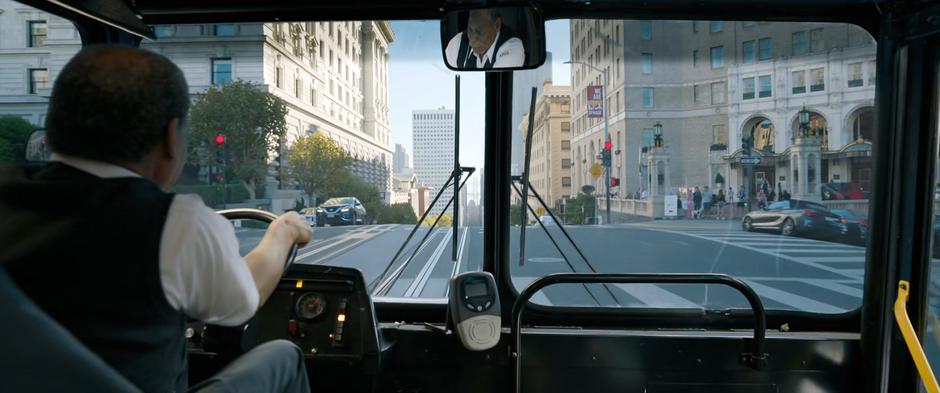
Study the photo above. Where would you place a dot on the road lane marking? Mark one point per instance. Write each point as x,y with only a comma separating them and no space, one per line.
336,240
394,275
422,278
796,301
759,250
655,296
354,243
835,287
853,272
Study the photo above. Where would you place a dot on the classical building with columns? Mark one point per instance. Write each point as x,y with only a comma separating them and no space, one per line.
710,83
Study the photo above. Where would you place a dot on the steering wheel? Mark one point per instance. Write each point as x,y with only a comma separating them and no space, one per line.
263,216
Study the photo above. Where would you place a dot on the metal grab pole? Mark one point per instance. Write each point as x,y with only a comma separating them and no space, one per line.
457,171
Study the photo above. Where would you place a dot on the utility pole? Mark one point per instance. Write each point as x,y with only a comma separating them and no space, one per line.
606,153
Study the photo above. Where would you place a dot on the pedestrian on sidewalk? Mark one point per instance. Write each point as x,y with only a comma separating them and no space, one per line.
697,202
688,204
721,203
707,202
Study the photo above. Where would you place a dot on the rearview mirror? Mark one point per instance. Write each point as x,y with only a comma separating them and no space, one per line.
493,39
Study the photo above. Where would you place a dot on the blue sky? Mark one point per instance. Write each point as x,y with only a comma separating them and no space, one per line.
418,79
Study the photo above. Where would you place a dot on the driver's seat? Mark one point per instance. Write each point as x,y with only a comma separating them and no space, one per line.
39,355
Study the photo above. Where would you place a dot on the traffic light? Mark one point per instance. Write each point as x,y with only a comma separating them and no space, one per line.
746,143
220,139
605,157
219,148
217,178
276,164
614,182
608,145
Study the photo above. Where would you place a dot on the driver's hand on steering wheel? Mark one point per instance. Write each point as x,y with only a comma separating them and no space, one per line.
294,225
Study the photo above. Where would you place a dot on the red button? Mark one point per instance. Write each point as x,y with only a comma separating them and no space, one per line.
292,328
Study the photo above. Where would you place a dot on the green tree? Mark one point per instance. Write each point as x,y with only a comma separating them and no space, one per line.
253,122
319,164
579,208
399,213
14,133
515,215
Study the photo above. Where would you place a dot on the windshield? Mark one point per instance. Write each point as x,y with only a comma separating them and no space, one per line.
715,140
339,201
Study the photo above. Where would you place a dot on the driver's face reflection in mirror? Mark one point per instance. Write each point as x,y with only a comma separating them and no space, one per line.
481,30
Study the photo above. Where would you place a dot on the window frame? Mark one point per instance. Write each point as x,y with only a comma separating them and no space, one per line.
221,61
33,40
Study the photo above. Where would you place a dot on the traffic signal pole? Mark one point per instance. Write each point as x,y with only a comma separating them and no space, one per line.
607,163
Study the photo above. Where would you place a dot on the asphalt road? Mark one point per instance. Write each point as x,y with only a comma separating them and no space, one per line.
789,273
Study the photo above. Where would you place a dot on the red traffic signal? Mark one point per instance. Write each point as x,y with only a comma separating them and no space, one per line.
614,182
218,178
608,145
219,139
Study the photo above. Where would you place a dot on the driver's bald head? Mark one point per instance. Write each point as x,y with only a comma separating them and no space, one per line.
114,103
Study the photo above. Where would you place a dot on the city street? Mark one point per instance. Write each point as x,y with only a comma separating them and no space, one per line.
789,273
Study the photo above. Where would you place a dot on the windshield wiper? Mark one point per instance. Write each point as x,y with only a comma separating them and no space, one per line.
524,195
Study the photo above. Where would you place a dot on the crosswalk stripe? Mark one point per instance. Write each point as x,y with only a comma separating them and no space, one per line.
853,272
803,251
836,287
796,301
834,259
655,296
539,298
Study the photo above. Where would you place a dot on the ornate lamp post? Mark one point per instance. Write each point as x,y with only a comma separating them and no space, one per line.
658,135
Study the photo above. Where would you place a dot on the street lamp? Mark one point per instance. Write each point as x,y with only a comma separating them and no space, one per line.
606,129
804,121
658,134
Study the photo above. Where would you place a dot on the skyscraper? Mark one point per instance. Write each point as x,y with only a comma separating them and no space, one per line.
433,141
401,160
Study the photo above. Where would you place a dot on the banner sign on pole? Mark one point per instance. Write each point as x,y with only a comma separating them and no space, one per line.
595,101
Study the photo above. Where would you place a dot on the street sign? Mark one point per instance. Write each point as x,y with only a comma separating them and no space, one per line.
595,109
540,211
748,160
597,170
595,101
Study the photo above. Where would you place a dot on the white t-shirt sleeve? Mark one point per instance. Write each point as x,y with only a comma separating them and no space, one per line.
453,48
511,54
201,270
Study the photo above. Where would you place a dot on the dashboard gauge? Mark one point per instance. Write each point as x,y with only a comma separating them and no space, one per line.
310,306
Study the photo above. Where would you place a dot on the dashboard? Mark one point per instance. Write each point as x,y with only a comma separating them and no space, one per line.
324,310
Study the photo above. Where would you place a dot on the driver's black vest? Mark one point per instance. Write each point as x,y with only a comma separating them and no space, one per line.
469,61
87,251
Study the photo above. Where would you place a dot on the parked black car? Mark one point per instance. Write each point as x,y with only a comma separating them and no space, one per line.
796,217
341,211
856,225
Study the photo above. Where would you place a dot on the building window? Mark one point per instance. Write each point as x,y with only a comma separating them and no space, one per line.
719,136
224,30
715,26
798,79
695,94
695,26
38,79
565,145
718,93
37,34
871,73
565,163
647,63
566,181
221,71
747,52
766,83
855,75
748,88
313,96
816,40
718,56
694,57
766,49
162,31
647,97
298,87
646,30
799,43
566,126
278,71
647,137
817,78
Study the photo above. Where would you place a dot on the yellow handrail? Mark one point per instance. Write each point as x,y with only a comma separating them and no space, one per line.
913,344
